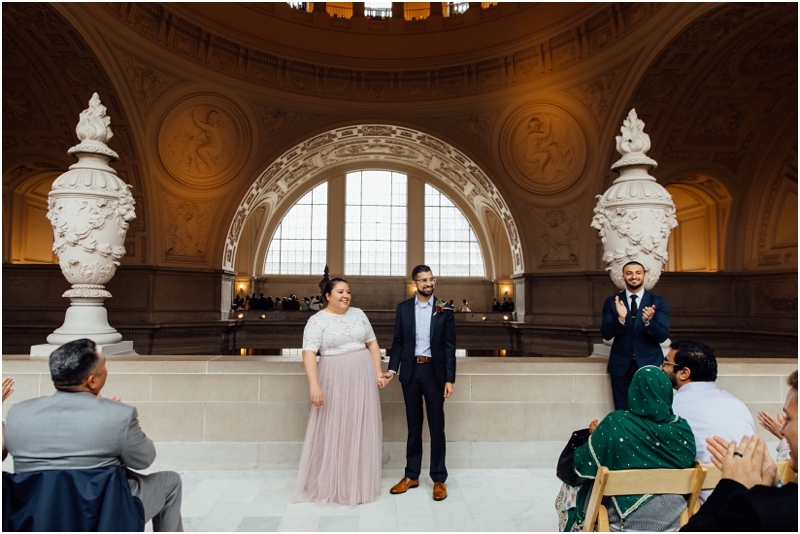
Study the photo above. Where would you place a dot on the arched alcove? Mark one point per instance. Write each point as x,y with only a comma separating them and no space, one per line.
424,157
702,208
27,233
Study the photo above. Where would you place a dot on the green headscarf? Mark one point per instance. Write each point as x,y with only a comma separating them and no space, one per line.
648,435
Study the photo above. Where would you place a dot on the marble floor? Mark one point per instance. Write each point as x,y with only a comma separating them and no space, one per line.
496,500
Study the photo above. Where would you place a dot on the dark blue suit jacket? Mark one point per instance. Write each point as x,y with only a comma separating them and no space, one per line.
634,338
443,343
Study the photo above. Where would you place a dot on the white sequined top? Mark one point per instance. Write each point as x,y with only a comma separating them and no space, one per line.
331,333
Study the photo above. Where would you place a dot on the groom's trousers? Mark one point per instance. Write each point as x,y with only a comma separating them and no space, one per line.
423,385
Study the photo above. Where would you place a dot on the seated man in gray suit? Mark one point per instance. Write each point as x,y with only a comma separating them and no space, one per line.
77,429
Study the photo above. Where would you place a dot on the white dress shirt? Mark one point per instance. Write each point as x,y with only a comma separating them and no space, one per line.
422,318
639,296
712,412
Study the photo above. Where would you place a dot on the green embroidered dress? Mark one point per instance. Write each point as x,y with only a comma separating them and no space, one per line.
648,435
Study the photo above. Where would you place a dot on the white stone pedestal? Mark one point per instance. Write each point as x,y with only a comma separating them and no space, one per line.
109,350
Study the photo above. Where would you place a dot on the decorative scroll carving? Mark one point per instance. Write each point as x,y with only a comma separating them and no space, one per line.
599,94
636,214
146,82
779,298
379,142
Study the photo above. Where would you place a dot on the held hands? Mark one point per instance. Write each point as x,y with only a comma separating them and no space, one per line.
8,388
749,463
316,395
382,381
648,313
622,311
387,376
772,424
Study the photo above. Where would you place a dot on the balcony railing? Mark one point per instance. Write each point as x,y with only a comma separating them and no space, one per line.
338,12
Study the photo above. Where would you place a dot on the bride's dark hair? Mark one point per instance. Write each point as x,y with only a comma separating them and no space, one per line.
329,289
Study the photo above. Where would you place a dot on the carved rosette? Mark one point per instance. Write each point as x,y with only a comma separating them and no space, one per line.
90,208
636,214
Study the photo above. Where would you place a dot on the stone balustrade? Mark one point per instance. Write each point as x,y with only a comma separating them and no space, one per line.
227,412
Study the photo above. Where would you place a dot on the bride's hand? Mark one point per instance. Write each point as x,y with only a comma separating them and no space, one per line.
382,381
316,395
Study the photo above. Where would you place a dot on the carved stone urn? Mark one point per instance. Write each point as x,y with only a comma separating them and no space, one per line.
90,208
636,214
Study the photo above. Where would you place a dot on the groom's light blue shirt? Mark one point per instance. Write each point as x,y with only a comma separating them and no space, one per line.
422,316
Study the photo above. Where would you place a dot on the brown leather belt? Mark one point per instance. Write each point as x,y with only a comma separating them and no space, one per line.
423,359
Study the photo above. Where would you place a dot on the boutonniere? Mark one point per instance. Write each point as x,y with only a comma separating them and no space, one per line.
439,306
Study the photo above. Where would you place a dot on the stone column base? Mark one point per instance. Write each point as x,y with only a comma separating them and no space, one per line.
109,350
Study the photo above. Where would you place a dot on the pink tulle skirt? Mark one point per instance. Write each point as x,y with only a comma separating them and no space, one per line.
341,460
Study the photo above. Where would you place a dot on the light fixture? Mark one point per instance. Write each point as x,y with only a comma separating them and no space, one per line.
483,318
241,287
263,315
243,352
240,316
505,317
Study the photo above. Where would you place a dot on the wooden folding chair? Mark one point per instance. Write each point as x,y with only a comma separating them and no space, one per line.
785,474
642,481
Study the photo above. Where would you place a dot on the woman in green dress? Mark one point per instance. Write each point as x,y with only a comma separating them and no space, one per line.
648,435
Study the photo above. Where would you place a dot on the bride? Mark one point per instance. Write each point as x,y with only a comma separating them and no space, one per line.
341,459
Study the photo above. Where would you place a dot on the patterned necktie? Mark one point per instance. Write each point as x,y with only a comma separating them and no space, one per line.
634,307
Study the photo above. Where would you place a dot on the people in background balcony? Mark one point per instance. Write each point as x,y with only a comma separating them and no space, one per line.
465,306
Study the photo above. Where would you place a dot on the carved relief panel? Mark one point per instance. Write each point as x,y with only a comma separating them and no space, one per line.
543,148
204,141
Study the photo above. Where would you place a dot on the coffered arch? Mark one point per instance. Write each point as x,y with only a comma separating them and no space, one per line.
379,146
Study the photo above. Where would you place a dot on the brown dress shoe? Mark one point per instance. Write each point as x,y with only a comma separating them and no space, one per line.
439,491
403,486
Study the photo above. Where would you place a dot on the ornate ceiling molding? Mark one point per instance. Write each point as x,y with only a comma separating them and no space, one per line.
376,143
600,29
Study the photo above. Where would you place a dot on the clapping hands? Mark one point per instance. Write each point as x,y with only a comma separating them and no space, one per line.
749,463
8,388
773,424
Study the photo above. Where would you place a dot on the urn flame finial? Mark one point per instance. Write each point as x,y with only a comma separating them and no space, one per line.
633,144
94,131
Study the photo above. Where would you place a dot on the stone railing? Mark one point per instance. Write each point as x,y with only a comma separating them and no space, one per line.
251,412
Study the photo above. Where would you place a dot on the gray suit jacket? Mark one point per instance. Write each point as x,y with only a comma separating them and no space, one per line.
76,431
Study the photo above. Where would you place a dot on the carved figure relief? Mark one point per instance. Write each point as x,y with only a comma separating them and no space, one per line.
599,94
187,225
558,231
147,83
543,148
204,141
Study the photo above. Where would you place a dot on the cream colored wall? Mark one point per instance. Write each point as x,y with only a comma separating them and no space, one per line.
251,412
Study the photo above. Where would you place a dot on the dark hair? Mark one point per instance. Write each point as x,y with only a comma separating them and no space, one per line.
419,269
329,289
633,263
793,380
698,358
72,363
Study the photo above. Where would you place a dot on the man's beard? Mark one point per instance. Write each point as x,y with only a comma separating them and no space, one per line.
632,287
673,379
425,292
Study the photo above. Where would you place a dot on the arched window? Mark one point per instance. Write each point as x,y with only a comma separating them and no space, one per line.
357,223
451,247
299,244
375,223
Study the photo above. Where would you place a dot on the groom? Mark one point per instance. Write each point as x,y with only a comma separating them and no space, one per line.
425,345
